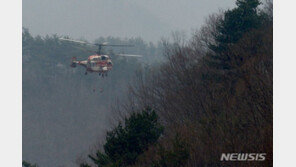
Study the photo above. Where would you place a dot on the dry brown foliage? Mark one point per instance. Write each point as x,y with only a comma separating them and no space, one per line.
217,111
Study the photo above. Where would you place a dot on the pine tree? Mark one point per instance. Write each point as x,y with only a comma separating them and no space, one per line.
125,143
28,164
232,27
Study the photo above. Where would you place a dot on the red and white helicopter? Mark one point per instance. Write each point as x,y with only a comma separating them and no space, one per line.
99,63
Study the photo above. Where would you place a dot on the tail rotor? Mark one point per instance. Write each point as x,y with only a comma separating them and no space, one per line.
73,62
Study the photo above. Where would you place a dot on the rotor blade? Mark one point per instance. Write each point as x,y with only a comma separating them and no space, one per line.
106,44
129,55
122,45
71,40
98,44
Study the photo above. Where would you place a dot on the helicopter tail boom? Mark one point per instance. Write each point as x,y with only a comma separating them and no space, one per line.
74,62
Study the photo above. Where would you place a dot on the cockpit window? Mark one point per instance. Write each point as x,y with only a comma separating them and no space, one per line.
103,57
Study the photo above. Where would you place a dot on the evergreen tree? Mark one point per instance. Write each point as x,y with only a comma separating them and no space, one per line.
28,164
232,27
125,143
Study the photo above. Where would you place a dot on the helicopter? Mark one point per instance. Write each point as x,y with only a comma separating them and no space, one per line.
97,63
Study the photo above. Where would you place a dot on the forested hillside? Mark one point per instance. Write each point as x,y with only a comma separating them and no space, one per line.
205,96
62,114
213,95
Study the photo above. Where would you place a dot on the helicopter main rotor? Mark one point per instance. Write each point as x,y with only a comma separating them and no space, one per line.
99,45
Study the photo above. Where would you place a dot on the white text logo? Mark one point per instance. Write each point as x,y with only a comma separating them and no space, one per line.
243,157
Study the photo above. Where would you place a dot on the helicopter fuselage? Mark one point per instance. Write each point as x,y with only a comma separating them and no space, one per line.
95,63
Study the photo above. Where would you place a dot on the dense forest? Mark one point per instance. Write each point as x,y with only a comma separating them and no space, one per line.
184,104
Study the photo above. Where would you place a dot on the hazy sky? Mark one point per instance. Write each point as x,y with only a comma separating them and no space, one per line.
89,19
